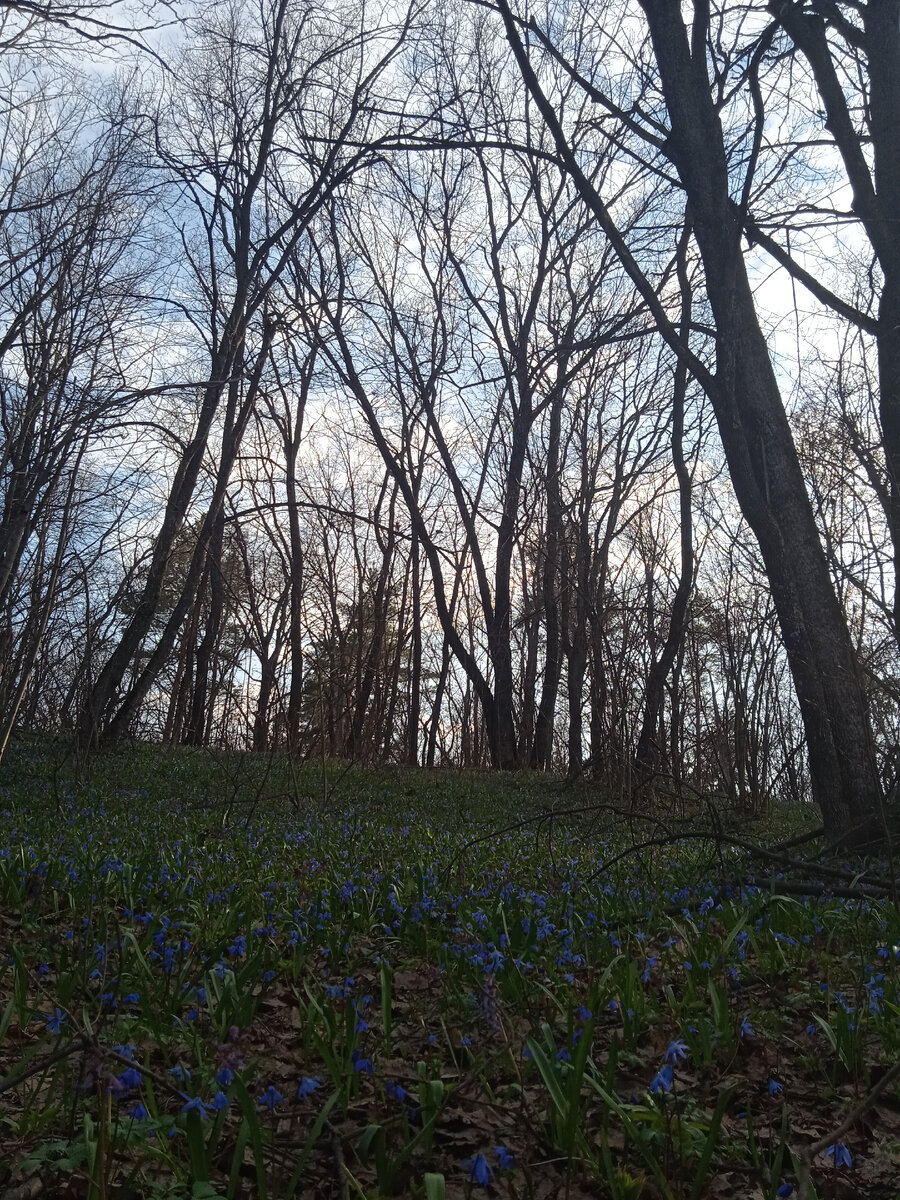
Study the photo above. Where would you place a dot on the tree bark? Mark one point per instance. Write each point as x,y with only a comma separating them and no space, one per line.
550,588
876,192
762,458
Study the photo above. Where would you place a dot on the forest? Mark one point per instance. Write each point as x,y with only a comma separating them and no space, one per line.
449,608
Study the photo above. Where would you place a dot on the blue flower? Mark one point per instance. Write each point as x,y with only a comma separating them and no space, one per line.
224,1077
677,1050
396,1091
307,1086
362,1064
505,1158
220,1101
786,1189
180,1073
663,1080
56,1022
270,1097
480,1170
746,1028
130,1078
195,1104
840,1154
775,1088
139,1113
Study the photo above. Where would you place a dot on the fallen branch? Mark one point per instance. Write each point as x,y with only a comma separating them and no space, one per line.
807,1155
815,888
35,1067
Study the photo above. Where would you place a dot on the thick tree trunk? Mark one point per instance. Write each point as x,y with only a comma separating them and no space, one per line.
888,343
875,190
762,458
882,26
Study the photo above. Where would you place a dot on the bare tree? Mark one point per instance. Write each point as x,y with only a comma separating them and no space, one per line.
751,418
256,138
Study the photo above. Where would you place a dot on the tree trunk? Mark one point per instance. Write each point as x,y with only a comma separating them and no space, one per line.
415,669
113,673
875,191
198,723
662,665
762,458
550,586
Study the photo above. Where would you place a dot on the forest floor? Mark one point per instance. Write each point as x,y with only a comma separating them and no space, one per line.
224,975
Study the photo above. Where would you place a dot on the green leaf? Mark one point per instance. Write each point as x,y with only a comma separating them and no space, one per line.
702,1168
435,1187
314,1134
251,1117
196,1146
828,1031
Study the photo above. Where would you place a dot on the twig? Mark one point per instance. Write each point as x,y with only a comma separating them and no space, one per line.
855,1113
797,864
25,1191
800,840
807,1155
549,814
340,1170
33,1068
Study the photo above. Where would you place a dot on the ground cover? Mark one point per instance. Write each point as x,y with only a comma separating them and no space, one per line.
229,976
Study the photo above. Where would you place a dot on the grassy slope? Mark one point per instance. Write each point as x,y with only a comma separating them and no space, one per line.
438,970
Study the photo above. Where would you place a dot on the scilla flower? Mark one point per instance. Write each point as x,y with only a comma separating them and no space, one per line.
840,1154
677,1050
480,1170
270,1097
663,1080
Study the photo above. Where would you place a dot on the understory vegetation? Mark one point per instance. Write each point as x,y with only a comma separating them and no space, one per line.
232,975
